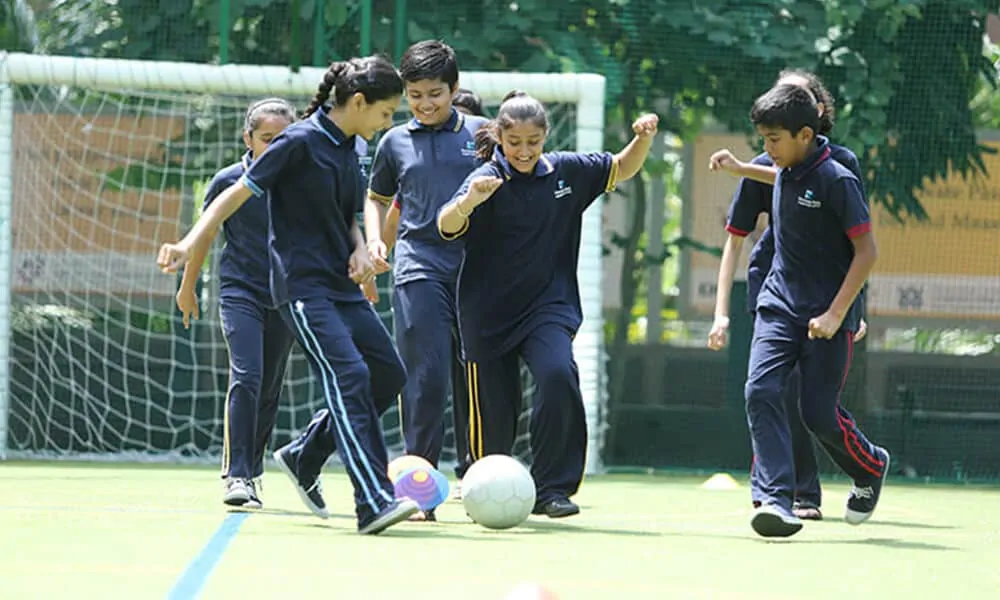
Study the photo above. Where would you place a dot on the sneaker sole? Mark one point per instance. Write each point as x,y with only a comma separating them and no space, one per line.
854,517
236,500
403,511
316,510
770,525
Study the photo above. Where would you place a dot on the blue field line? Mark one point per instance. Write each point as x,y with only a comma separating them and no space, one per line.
198,570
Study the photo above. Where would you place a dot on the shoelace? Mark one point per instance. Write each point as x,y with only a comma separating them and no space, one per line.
865,493
317,486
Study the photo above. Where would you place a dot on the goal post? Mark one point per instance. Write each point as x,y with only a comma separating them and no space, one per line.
97,159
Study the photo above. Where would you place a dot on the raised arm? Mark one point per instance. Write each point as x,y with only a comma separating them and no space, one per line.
453,219
723,160
632,156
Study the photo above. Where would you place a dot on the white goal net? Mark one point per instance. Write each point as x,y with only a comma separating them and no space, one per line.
103,160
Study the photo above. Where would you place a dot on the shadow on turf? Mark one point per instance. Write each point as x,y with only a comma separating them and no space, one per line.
907,525
883,542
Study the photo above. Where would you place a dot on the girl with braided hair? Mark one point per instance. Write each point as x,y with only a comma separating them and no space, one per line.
318,257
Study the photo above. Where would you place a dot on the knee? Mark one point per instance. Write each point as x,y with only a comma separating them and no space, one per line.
247,381
824,424
557,378
354,375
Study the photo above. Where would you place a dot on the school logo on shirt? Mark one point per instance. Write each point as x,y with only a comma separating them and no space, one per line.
808,201
470,148
562,190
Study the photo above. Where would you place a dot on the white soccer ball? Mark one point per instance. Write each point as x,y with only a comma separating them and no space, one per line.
498,492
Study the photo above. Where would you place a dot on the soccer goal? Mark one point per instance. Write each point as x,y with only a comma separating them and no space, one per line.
101,161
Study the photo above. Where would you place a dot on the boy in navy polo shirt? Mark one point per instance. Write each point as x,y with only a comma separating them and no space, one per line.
318,258
753,198
518,295
418,166
807,312
257,338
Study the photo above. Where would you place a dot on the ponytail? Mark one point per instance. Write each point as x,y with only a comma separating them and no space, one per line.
374,77
487,139
330,77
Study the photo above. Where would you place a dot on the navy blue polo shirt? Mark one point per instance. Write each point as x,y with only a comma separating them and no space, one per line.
753,198
818,207
244,270
422,167
522,247
314,179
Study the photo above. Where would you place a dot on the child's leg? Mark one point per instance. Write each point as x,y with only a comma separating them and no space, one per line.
375,344
317,443
824,371
345,382
558,420
773,353
807,490
494,405
424,316
278,340
243,327
460,407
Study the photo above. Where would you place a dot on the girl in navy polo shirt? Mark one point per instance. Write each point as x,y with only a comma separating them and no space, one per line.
518,297
257,339
318,256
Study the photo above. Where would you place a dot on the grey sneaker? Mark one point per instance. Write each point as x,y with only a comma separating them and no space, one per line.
773,521
236,492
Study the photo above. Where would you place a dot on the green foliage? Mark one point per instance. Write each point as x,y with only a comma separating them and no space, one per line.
18,32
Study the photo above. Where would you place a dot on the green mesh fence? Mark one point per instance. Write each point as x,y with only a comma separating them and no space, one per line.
916,101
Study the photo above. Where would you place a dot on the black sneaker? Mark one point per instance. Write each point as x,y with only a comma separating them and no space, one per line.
864,496
556,509
310,492
397,512
773,521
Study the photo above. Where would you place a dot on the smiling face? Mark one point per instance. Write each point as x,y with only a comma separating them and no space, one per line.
522,143
430,101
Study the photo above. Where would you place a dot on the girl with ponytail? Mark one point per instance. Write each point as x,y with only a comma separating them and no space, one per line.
318,257
518,297
258,341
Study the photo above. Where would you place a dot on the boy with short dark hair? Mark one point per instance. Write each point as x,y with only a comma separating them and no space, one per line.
418,166
807,312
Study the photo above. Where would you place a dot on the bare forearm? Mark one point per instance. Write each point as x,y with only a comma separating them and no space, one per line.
727,271
357,236
761,173
193,267
454,216
221,209
374,219
632,157
858,273
390,228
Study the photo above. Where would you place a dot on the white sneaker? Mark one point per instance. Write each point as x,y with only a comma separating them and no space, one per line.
457,494
773,521
236,491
